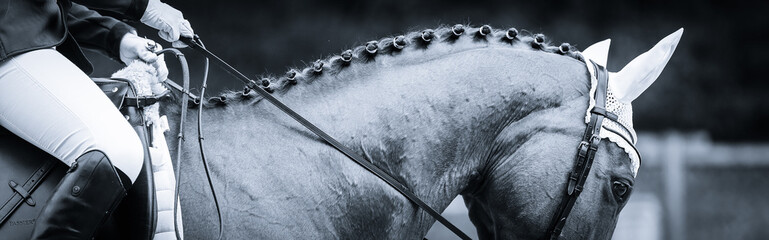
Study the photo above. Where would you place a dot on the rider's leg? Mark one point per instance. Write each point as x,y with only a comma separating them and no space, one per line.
48,101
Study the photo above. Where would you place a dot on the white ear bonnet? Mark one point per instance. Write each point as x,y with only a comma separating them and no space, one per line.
621,131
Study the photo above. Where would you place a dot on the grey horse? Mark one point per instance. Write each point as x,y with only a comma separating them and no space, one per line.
494,116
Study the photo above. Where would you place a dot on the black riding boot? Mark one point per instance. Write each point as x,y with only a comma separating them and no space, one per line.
83,200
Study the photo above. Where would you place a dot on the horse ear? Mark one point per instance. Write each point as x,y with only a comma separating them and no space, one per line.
639,74
598,52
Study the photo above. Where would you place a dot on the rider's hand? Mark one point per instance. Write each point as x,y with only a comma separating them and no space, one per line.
169,21
133,48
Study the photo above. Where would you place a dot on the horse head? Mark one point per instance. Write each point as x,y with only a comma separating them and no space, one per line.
525,178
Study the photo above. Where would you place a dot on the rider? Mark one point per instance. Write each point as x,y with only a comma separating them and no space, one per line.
47,99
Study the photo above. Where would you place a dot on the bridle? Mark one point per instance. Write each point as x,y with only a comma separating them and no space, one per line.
585,152
576,180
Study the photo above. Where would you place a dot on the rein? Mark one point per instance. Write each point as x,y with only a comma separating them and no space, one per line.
185,101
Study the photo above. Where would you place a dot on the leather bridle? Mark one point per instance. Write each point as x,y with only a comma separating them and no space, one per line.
585,152
576,179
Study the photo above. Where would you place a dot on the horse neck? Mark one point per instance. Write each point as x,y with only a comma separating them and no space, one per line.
427,118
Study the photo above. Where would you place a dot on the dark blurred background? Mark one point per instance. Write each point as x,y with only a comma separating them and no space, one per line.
704,140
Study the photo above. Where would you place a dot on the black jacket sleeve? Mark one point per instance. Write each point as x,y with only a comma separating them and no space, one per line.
94,31
123,9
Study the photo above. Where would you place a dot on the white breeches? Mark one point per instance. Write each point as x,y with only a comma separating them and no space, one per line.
48,101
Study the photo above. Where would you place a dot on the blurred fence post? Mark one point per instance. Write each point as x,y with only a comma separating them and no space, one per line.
674,163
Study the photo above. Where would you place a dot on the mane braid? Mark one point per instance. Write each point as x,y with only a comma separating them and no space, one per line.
416,40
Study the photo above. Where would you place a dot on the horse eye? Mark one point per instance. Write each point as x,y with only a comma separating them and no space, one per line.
620,189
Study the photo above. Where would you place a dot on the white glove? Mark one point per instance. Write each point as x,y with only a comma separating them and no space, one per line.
168,21
135,48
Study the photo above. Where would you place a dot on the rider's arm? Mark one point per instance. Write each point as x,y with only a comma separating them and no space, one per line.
114,38
94,31
168,20
124,9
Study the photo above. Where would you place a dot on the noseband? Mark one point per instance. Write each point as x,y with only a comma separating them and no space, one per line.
585,152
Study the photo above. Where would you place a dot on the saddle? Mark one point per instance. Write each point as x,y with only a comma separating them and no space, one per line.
28,177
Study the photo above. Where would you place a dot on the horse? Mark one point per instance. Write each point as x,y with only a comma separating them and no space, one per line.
492,115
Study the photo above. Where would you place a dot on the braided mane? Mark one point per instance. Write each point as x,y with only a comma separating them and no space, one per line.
483,36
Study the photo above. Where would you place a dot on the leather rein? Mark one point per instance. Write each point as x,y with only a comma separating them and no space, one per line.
576,179
146,101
